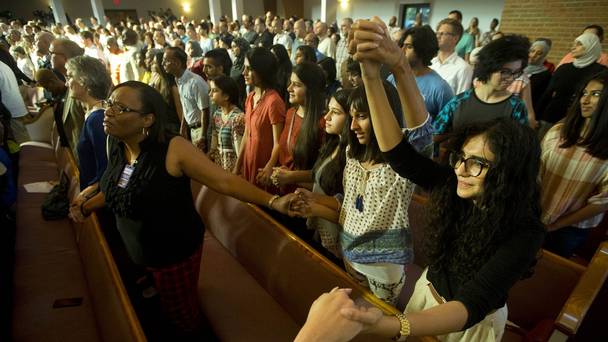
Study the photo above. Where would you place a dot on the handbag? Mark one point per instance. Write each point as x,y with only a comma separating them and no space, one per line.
56,205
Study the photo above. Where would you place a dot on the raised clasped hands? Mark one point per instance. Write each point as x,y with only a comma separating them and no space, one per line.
370,42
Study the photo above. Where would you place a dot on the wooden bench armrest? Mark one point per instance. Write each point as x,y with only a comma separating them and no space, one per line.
579,302
326,263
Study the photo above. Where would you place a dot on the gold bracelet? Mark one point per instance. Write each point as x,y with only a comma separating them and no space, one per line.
271,200
404,331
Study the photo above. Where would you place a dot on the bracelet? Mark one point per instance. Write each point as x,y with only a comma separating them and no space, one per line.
404,331
274,177
271,200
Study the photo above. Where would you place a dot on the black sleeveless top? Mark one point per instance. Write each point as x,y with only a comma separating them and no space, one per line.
155,213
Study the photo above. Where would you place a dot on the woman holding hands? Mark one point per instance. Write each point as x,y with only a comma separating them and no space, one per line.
483,229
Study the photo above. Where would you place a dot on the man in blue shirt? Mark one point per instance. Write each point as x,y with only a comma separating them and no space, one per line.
420,46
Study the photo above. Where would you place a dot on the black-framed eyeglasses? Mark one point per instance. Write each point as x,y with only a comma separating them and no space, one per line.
508,73
117,108
473,165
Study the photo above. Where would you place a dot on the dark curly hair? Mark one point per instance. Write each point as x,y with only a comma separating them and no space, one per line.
424,41
462,235
595,137
499,52
331,178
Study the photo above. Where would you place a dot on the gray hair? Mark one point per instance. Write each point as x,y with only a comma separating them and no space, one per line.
91,74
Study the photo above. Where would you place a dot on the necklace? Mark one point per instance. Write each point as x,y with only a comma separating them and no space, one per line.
361,191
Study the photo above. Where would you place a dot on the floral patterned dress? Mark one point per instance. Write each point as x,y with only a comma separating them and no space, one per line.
226,137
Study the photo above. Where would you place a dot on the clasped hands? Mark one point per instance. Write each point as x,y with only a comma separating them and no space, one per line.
369,43
335,317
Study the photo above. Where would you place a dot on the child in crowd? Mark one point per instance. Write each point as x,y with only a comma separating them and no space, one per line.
227,123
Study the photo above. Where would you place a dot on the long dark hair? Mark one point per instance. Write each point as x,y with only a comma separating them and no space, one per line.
284,71
595,139
358,101
462,235
152,102
331,178
307,145
308,53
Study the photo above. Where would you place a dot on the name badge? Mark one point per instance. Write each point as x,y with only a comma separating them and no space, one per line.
125,176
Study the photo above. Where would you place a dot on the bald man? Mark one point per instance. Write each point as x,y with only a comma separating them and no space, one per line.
41,57
299,30
326,45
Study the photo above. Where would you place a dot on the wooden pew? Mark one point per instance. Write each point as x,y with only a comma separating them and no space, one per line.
258,279
47,267
56,259
116,318
564,291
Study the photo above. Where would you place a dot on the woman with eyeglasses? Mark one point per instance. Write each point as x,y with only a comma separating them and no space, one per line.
483,230
574,173
499,64
147,187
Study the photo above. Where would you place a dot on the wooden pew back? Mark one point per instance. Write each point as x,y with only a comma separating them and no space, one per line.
116,318
292,272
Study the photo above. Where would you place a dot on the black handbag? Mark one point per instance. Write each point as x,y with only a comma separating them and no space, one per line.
56,205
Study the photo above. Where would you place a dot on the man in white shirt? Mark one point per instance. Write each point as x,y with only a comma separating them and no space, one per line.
326,45
90,49
12,100
193,94
280,36
129,68
452,68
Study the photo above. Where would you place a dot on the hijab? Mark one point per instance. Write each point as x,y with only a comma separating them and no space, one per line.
593,50
532,69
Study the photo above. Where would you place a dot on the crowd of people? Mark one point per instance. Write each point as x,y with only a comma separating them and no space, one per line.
331,127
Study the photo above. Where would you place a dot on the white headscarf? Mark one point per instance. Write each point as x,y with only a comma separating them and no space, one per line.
593,50
532,69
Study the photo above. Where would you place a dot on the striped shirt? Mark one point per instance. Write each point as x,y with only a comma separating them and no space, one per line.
571,178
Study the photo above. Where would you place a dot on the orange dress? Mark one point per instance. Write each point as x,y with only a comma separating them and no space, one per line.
270,110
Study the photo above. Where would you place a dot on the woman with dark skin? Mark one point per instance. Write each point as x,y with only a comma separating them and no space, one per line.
147,187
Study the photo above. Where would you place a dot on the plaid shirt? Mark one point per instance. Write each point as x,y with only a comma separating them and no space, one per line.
341,54
570,179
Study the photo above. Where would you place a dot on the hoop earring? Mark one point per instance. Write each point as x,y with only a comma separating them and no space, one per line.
145,132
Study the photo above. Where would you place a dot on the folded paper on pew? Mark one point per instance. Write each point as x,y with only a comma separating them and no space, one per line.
39,187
